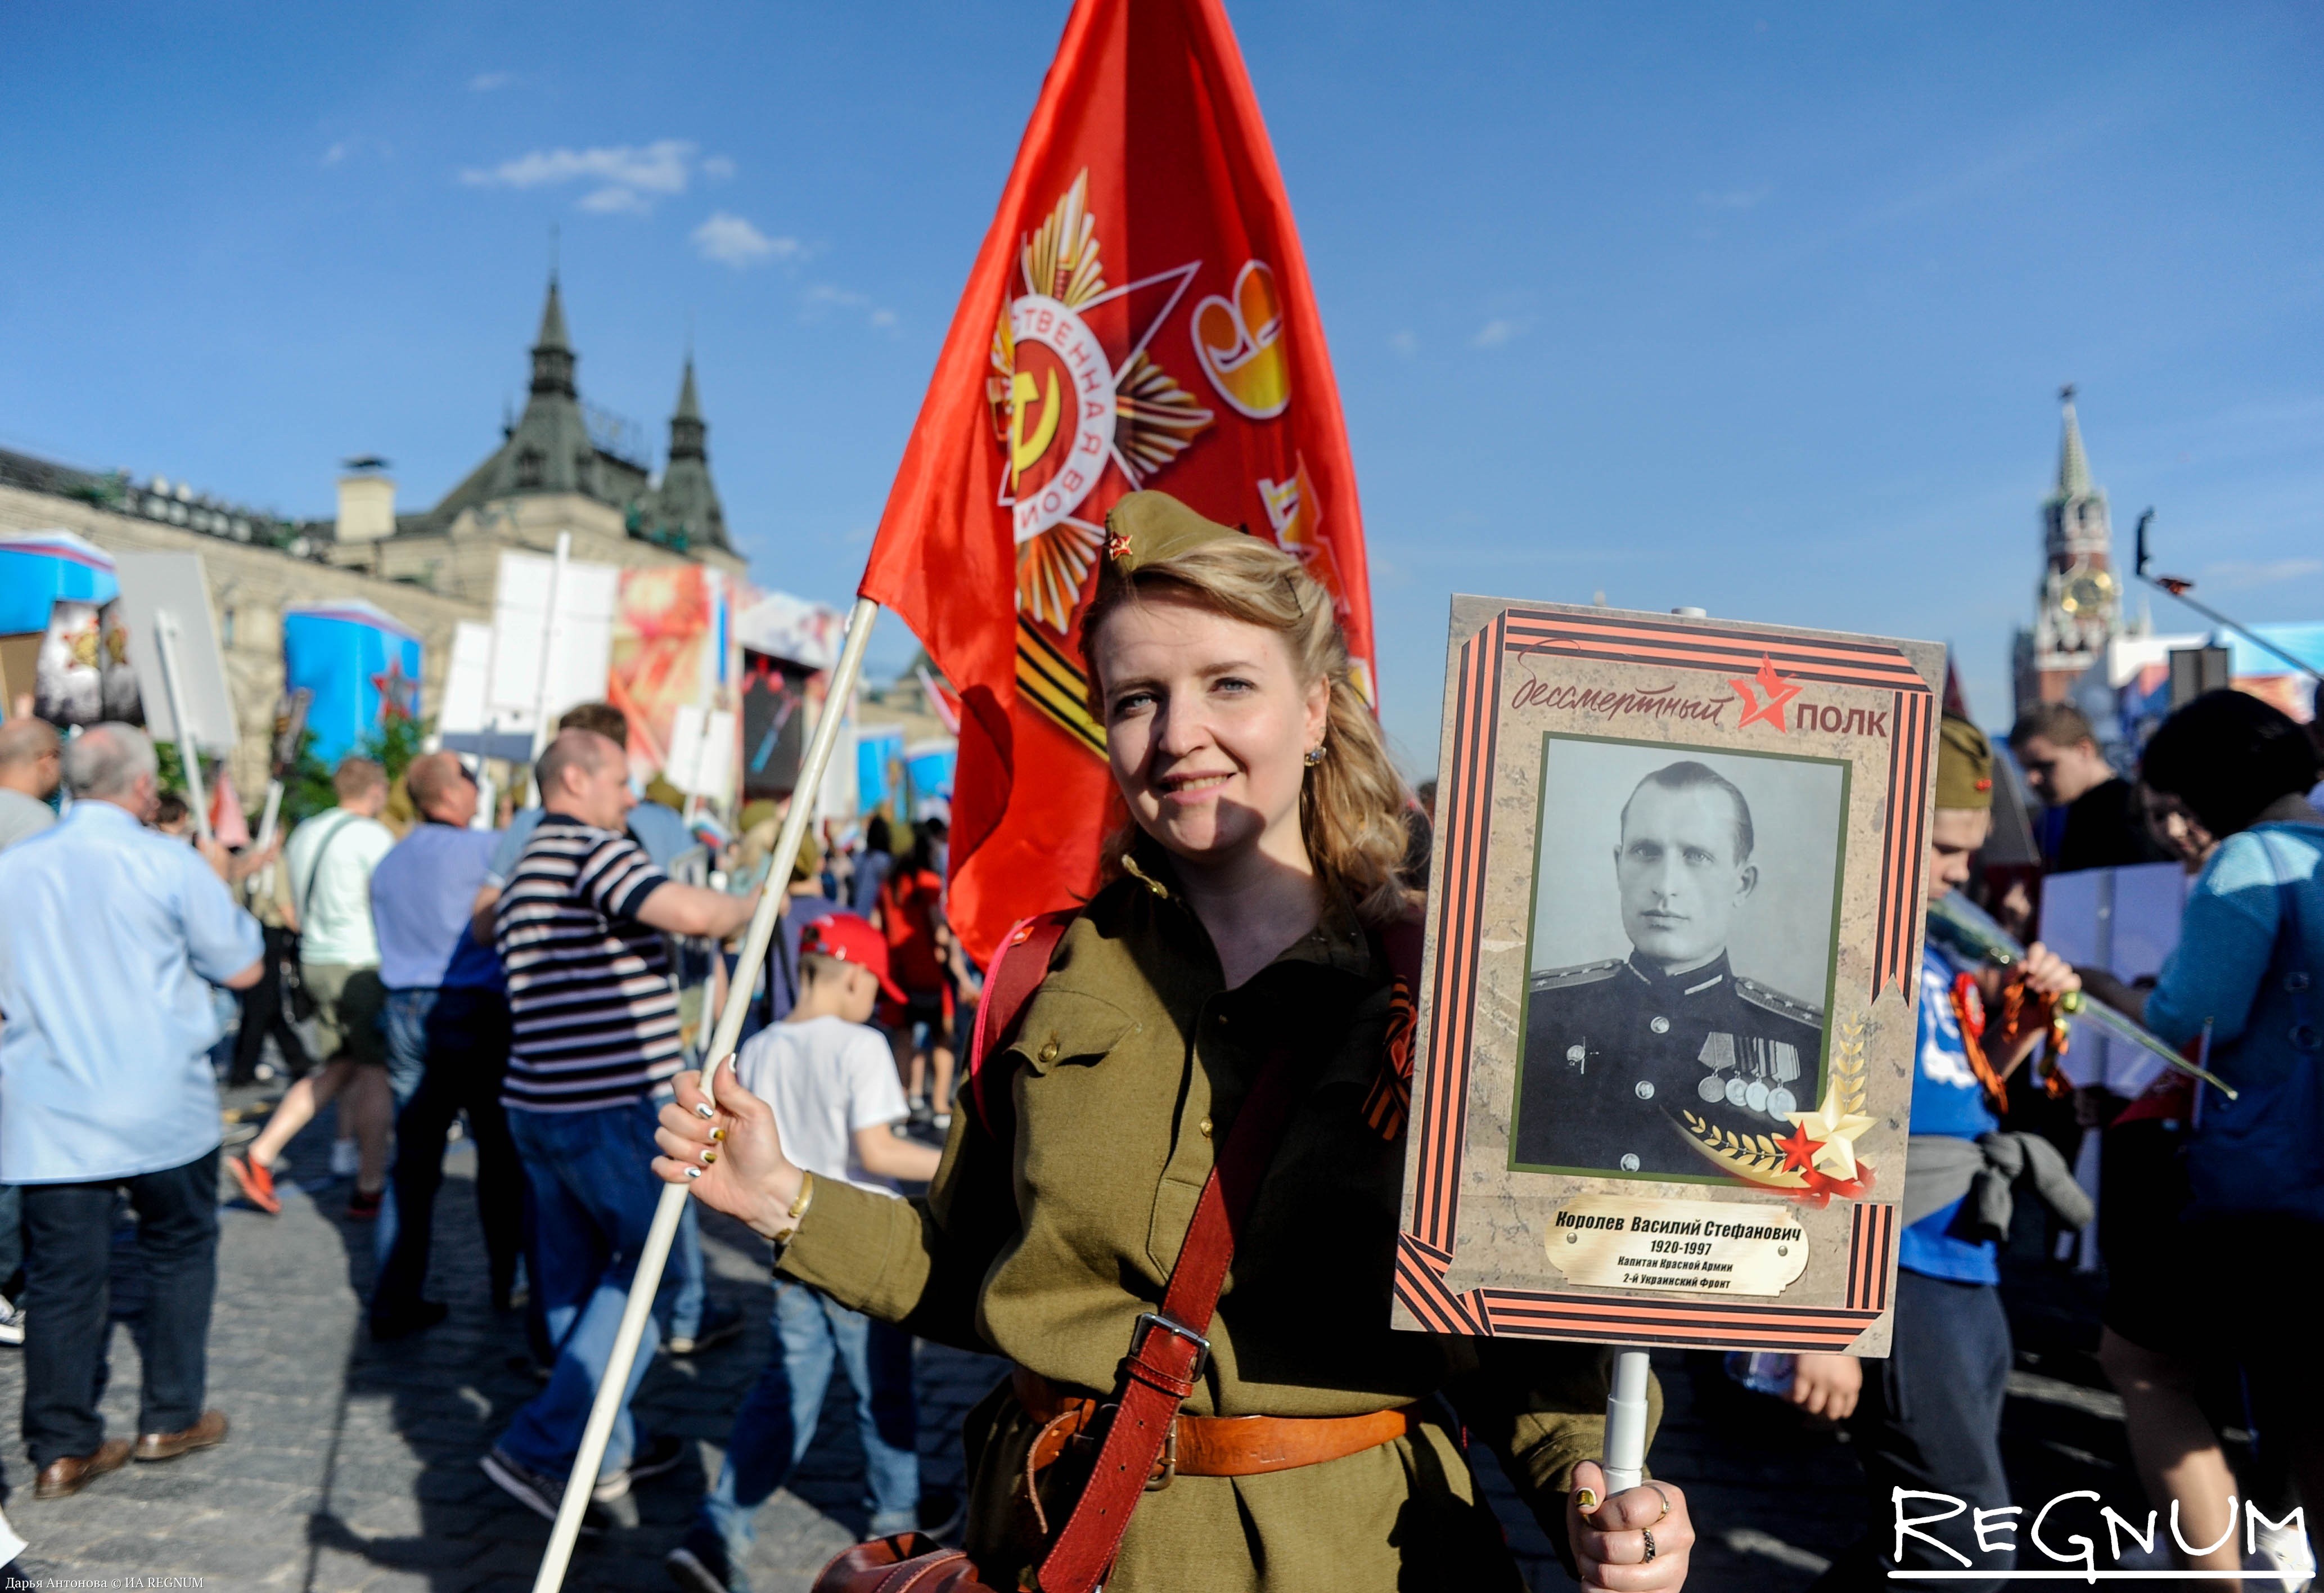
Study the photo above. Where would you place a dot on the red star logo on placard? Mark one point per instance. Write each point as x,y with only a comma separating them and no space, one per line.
1799,1150
1779,688
394,688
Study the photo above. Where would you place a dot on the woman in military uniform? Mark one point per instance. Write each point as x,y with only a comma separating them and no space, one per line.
1242,916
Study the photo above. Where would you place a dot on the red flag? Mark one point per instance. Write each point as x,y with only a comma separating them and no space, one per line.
1138,316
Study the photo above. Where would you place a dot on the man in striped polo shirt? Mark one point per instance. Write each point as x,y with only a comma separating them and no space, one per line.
578,927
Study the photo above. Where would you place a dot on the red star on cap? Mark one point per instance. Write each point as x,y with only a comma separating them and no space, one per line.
1117,546
1779,688
1799,1150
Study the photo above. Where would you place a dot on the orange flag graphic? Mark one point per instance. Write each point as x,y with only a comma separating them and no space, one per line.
1139,316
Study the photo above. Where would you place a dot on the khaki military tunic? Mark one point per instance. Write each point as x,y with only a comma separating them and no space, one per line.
1045,1234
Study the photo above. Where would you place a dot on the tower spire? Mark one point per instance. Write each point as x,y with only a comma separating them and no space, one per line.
2073,466
552,350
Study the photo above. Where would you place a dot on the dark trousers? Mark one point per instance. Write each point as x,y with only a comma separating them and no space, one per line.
1930,1423
67,1299
467,1054
262,1011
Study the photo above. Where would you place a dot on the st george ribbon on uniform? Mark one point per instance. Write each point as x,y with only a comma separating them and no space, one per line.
1138,316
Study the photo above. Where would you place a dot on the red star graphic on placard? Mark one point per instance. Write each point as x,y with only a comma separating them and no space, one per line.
394,688
1799,1150
1779,688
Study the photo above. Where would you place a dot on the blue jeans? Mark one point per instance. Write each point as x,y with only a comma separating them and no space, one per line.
406,1023
1929,1421
778,1419
594,1196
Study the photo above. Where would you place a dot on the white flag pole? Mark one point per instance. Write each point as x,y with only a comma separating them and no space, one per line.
540,731
614,1385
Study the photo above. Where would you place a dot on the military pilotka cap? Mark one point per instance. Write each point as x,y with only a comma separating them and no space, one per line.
1148,528
1964,765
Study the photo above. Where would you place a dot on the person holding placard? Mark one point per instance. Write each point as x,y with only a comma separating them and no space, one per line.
1220,1018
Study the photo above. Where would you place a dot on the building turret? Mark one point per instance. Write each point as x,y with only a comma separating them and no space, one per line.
687,503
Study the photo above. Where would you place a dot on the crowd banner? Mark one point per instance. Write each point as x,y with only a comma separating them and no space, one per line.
173,646
1663,1054
1138,316
360,665
668,652
552,640
468,722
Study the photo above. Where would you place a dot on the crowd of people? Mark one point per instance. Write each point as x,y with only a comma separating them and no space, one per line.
547,988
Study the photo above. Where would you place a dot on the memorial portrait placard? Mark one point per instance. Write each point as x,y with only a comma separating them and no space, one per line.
1664,1057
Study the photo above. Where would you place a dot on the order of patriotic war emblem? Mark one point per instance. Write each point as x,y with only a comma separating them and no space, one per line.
1705,882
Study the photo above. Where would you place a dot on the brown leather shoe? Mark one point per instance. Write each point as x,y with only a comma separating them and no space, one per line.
64,1477
169,1446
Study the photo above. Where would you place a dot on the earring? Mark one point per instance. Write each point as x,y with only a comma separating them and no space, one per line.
1314,756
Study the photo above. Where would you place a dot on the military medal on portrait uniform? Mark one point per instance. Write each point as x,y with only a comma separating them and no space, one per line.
1663,1060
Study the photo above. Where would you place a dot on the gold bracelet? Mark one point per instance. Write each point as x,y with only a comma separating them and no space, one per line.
798,1207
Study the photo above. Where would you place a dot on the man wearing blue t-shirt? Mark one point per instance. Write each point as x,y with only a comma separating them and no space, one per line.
1928,1421
448,1041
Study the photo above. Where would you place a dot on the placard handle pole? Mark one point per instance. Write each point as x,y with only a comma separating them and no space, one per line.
1625,1457
165,644
1625,1460
614,1386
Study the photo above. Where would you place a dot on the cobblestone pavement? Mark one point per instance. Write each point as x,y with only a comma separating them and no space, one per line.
354,1465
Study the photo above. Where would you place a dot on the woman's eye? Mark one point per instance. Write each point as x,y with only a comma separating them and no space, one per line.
1131,703
1232,682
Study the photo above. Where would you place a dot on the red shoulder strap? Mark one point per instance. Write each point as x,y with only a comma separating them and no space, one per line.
1018,969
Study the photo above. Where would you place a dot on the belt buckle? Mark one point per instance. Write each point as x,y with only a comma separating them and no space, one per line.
1149,1320
1166,1470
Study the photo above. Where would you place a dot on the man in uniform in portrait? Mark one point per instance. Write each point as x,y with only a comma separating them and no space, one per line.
1615,1051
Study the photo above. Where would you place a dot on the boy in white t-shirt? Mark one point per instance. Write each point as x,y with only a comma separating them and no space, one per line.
832,1084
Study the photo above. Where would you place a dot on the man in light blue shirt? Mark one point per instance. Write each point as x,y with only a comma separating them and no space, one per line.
112,937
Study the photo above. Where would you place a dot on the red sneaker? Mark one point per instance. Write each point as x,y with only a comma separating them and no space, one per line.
257,1184
364,1208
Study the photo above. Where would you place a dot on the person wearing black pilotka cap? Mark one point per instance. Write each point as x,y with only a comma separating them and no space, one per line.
2245,1201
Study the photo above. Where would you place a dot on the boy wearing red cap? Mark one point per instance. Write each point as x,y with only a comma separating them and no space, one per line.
832,1085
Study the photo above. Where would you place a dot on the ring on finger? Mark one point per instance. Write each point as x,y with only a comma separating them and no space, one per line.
1666,1505
1648,1534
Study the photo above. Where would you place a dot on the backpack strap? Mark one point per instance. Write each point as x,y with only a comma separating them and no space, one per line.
1018,969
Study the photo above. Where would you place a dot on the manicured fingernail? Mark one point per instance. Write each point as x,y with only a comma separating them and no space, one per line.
702,1110
716,1135
1587,1498
709,1156
694,1172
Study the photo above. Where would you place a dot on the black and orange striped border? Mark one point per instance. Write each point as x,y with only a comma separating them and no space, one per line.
1424,1253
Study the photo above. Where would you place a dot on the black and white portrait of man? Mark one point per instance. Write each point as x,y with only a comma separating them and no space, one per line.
1700,887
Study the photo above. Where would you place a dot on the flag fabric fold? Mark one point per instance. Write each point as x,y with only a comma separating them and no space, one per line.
1139,316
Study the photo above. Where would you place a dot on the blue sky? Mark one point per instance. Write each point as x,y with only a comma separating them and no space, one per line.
1761,309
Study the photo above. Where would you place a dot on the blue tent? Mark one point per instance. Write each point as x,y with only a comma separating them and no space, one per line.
37,567
361,664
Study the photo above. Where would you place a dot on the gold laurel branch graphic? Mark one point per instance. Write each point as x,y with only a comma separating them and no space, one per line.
1758,1159
1051,568
1159,417
1061,259
1848,1066
1053,682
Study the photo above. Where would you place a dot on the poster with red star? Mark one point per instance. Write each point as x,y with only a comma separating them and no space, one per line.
1667,1028
1138,316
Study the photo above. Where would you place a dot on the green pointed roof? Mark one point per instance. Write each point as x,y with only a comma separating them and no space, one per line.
552,322
2073,466
689,405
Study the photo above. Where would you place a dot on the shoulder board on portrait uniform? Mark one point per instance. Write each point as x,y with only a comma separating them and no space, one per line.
1581,973
1768,1000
